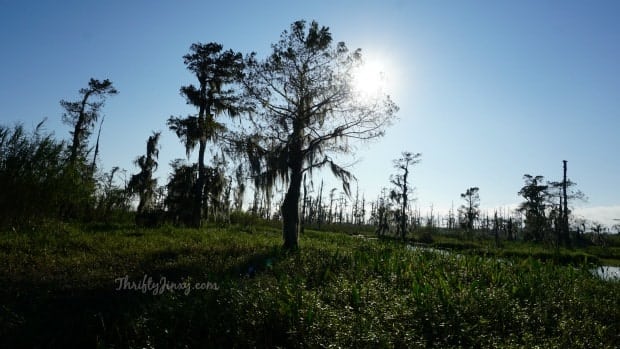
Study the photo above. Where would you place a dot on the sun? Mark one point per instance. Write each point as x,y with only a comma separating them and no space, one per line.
369,78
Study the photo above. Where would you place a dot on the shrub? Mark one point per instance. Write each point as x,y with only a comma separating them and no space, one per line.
36,181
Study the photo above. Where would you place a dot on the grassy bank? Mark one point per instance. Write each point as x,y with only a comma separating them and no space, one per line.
60,288
578,254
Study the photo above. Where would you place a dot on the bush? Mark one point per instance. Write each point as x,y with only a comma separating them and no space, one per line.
36,182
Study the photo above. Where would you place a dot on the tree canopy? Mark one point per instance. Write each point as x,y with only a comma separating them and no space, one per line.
305,111
83,114
215,71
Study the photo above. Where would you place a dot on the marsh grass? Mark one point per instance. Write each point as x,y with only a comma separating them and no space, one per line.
336,291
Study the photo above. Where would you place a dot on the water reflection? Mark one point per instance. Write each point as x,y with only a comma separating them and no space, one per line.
607,272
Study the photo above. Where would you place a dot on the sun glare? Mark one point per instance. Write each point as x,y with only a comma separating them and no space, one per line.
369,78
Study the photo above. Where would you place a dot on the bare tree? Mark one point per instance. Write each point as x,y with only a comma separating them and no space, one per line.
558,196
451,218
402,188
331,204
382,212
319,207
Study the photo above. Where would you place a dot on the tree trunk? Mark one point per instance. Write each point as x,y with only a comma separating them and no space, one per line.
77,131
403,217
320,207
199,188
565,234
290,211
303,209
94,164
77,134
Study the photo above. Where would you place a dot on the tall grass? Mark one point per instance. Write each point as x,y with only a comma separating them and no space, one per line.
337,291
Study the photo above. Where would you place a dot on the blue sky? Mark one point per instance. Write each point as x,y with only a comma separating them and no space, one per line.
487,90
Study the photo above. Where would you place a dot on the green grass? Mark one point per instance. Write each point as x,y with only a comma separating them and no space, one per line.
485,245
59,289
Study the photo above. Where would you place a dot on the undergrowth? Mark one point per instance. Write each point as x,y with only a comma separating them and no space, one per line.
60,289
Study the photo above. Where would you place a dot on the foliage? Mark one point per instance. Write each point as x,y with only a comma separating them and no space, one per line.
143,182
36,182
113,202
82,115
180,198
470,211
180,192
214,69
534,192
382,213
305,112
337,291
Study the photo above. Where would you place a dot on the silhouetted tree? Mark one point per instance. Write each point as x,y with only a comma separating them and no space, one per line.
496,228
319,207
382,213
214,69
180,192
143,182
94,162
471,209
451,218
402,189
430,218
306,109
215,202
342,205
331,204
565,234
534,193
83,114
558,196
